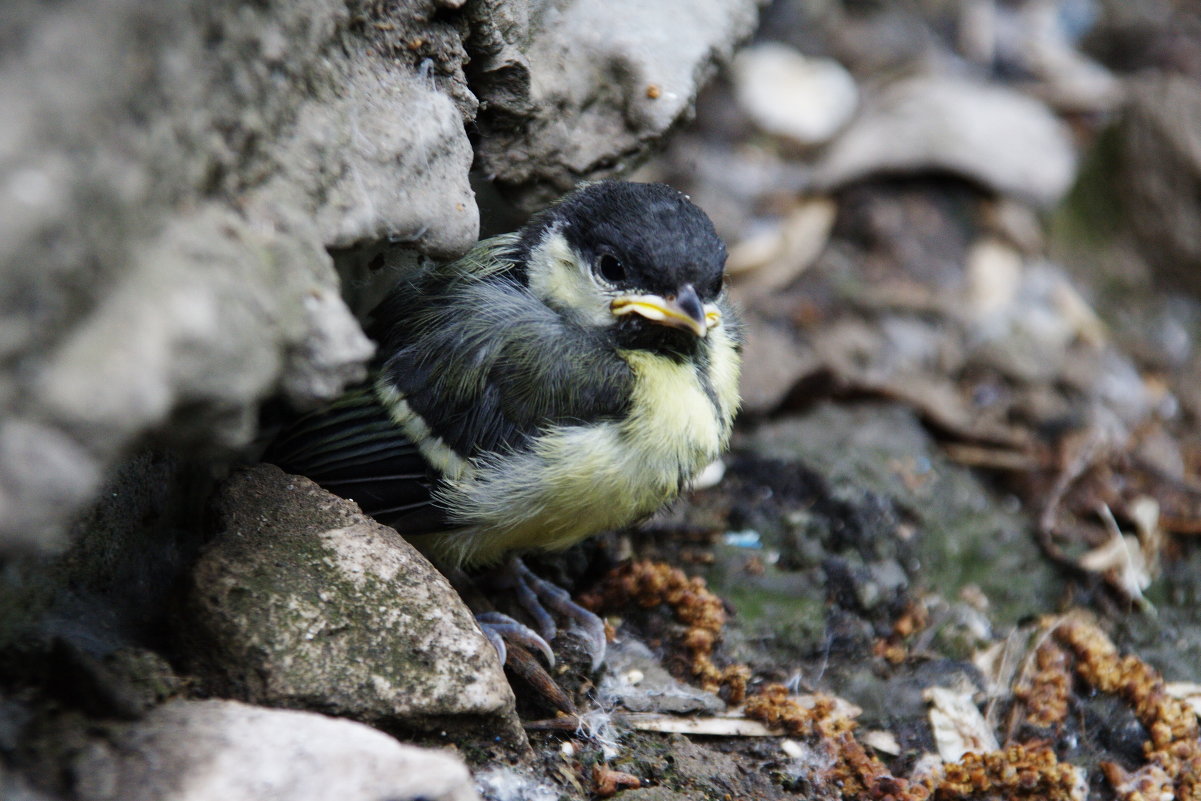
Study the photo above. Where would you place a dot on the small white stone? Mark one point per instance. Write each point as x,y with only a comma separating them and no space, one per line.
787,94
792,749
210,750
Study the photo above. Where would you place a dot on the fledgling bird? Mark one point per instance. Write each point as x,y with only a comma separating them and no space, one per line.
563,380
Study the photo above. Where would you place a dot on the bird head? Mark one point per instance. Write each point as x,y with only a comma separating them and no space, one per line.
640,259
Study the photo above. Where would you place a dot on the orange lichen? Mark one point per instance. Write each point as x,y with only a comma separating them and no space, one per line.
891,652
913,619
1174,750
774,706
1016,772
856,773
1046,694
652,583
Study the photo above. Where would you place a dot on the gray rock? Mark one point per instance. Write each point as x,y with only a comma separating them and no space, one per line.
601,83
958,534
1003,140
658,793
170,179
515,783
124,684
302,601
780,359
227,751
43,471
112,589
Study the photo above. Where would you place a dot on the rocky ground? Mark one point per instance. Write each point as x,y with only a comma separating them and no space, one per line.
952,553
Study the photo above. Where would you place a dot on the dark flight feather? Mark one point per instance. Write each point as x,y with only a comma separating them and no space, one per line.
354,448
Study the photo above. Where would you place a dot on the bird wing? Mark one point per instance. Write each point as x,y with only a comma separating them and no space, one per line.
354,449
486,367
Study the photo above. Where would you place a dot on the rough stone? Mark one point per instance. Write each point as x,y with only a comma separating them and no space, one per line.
601,83
781,357
210,750
170,178
871,453
515,783
653,794
302,601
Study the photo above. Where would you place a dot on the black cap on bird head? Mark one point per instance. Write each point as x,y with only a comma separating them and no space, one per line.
660,239
652,247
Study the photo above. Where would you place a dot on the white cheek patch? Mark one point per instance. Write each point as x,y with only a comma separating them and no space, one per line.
558,276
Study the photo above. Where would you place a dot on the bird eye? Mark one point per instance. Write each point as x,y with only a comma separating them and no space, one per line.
610,268
715,287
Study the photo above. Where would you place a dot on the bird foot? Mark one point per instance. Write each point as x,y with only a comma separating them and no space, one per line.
500,629
540,597
513,642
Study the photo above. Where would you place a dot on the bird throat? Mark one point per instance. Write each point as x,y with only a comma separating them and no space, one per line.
635,333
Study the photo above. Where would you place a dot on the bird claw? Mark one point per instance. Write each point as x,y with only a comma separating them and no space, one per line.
499,628
496,639
537,595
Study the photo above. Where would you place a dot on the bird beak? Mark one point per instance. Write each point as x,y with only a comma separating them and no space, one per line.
683,310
